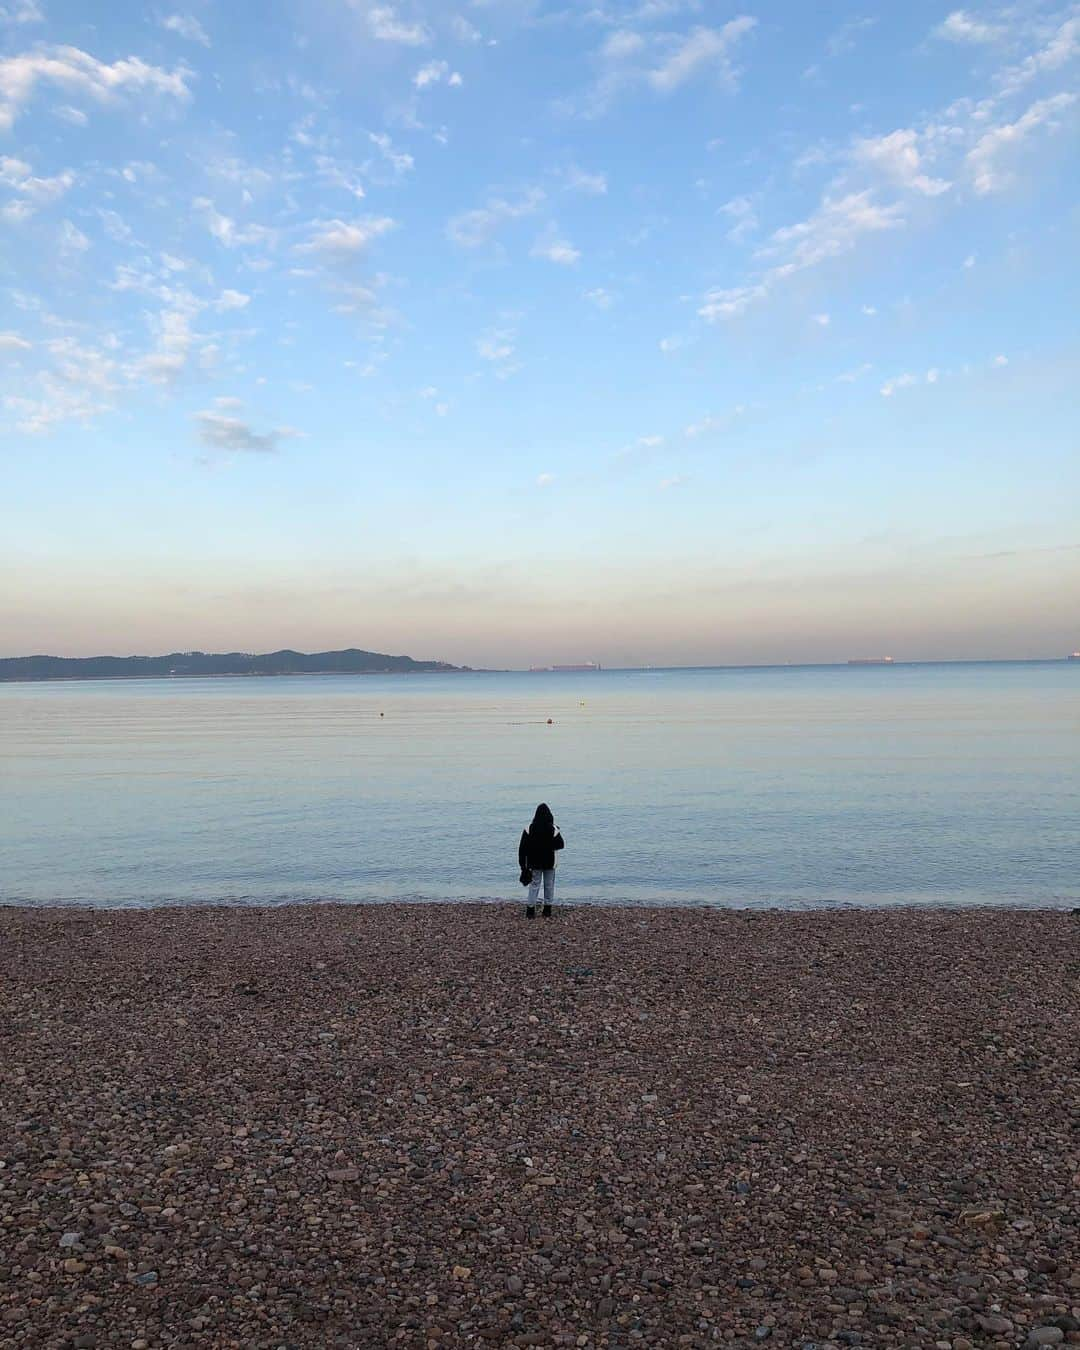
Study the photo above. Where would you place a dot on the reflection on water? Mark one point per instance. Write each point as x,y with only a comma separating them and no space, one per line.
797,786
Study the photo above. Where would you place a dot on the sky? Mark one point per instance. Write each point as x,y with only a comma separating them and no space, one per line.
511,332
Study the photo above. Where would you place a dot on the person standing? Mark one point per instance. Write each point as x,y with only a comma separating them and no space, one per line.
536,854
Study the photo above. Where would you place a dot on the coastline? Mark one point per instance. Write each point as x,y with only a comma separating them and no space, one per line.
440,1125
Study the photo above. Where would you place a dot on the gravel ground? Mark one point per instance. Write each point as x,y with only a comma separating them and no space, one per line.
444,1126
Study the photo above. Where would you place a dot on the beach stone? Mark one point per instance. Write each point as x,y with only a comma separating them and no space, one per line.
346,1203
1045,1336
71,1239
995,1324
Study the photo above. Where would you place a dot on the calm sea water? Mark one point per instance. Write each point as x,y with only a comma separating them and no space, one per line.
797,786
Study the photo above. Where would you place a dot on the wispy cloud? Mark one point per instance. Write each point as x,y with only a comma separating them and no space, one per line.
662,61
590,184
437,72
229,299
386,25
344,240
960,26
186,26
220,431
555,249
833,230
600,297
76,71
742,213
985,161
705,49
898,157
471,229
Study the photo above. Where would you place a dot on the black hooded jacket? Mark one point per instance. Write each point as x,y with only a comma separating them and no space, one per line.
540,842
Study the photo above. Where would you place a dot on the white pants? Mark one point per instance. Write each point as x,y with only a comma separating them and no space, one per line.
547,875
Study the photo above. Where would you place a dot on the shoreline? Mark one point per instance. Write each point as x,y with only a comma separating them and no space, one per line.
1069,905
606,670
441,1125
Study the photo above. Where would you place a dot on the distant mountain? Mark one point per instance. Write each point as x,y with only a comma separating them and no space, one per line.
352,661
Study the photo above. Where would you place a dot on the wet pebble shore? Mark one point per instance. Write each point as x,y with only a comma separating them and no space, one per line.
441,1126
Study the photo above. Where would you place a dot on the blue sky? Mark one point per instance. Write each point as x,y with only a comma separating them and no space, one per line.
514,331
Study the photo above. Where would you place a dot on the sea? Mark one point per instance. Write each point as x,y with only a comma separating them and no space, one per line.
785,787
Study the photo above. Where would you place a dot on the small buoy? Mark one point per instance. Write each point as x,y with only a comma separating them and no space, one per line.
382,714
549,721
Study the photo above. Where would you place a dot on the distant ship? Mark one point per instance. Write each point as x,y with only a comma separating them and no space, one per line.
871,661
565,670
1073,656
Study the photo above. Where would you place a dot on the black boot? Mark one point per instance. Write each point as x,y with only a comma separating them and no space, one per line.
547,911
530,911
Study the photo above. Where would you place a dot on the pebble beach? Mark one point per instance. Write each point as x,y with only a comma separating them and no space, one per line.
439,1126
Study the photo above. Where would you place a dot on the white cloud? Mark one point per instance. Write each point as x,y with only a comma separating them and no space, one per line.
843,40
704,48
983,160
226,231
399,160
904,381
22,11
960,26
16,212
544,479
186,26
665,484
897,156
711,423
340,176
621,45
496,346
229,299
471,229
869,310
11,342
74,117
591,184
822,320
600,297
555,250
221,432
741,211
969,261
730,302
386,26
834,229
662,61
435,72
850,376
168,360
75,71
1062,48
340,240
1001,361
34,192
72,239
